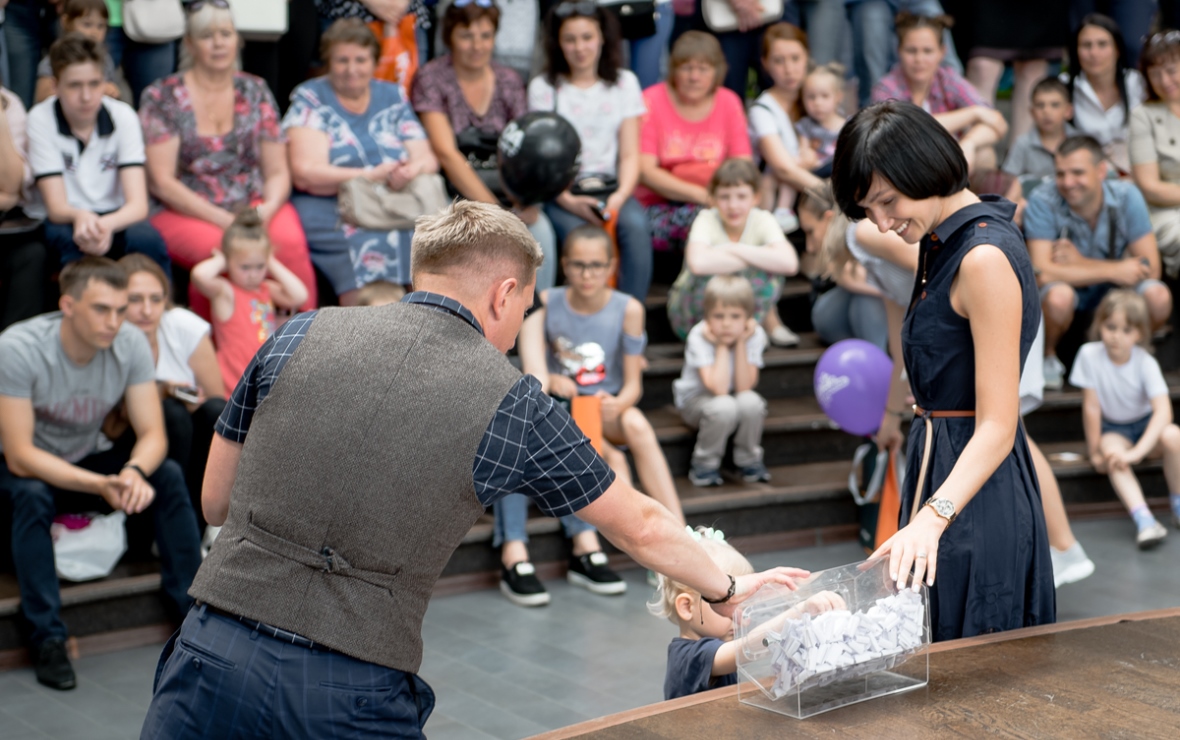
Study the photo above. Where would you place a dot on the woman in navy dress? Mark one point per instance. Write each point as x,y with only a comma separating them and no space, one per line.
971,509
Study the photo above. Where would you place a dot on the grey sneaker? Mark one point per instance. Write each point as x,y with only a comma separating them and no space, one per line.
1151,537
1054,373
704,477
1070,566
756,473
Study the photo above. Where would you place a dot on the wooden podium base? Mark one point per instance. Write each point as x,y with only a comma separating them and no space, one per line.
1115,676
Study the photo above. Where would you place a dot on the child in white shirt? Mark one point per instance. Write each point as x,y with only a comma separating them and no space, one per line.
1126,408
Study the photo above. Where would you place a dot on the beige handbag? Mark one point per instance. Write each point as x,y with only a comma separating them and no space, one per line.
371,205
719,15
153,21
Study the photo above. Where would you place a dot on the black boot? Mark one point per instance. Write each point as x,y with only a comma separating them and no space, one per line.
53,665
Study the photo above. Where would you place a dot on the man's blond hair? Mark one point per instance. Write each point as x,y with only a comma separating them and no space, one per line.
474,238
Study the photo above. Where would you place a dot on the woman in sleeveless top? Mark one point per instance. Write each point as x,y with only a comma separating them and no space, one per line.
971,509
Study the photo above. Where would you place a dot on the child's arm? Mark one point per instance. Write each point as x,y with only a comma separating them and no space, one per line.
1161,417
703,258
716,377
632,390
745,375
1092,424
778,258
286,290
206,275
530,344
725,660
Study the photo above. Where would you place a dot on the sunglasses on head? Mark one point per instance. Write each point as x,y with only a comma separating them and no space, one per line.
580,8
196,5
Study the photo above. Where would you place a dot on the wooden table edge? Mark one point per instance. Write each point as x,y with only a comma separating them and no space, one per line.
631,715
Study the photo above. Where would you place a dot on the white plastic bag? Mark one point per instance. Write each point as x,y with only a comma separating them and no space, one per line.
91,552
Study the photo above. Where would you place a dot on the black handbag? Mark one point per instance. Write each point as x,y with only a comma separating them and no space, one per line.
637,20
479,147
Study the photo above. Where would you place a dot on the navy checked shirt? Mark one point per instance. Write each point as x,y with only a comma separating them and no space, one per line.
531,446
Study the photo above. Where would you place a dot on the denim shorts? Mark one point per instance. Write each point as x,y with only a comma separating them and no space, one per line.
1132,430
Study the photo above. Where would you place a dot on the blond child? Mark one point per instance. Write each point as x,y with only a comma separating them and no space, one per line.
823,94
704,656
88,18
1126,408
715,392
734,237
379,293
243,300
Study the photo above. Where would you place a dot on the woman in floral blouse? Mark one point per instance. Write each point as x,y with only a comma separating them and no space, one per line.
214,147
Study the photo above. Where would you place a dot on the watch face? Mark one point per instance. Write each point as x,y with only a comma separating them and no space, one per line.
944,507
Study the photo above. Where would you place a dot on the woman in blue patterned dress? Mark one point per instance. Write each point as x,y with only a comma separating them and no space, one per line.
344,125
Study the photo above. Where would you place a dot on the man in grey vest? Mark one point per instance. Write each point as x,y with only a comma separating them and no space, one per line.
356,452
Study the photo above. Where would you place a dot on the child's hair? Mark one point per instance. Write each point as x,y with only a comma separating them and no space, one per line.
74,9
832,70
1134,308
247,226
720,552
71,49
1048,85
817,200
906,22
590,232
833,251
729,290
379,292
733,172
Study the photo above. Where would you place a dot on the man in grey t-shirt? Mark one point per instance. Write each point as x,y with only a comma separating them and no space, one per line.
61,374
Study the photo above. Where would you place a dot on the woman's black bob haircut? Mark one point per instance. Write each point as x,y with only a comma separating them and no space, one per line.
905,146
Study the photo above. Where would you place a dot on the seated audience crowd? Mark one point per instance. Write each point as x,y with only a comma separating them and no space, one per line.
135,177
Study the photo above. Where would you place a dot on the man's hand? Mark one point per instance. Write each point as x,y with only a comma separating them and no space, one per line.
89,233
112,490
562,386
1130,272
1065,252
745,586
137,492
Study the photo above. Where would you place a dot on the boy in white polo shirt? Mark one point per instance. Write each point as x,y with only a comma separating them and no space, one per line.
87,156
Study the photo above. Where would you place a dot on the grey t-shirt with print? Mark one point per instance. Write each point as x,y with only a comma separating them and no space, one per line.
70,401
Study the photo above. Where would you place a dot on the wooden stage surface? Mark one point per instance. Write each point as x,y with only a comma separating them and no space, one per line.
1109,677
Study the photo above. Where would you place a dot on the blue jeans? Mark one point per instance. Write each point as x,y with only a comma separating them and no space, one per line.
512,513
874,44
646,54
634,235
142,64
542,231
35,503
138,238
839,314
218,678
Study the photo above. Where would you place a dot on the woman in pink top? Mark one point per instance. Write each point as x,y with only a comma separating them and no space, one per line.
692,126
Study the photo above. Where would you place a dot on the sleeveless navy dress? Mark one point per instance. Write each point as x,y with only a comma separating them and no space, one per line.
994,571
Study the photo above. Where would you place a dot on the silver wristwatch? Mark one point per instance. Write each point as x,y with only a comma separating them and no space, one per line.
945,508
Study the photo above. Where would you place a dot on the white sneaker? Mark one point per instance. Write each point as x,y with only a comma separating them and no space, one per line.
1152,536
1054,373
783,337
1070,566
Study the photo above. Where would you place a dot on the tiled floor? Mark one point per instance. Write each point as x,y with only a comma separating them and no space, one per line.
504,672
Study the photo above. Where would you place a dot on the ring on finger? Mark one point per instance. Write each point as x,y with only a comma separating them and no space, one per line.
921,555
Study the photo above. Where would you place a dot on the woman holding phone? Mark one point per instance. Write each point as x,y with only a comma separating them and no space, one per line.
971,508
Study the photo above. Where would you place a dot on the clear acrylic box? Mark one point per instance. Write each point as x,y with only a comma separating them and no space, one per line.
800,660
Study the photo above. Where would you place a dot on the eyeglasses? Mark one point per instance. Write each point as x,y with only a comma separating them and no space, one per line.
594,269
582,7
196,5
477,3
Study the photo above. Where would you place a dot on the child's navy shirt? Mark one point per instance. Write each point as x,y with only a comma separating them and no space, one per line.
689,664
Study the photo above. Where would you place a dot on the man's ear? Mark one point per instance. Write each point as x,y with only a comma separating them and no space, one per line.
501,293
66,304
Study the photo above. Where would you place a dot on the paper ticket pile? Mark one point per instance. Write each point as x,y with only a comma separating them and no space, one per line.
837,645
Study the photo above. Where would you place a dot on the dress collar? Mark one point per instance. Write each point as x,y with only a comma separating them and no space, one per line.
993,206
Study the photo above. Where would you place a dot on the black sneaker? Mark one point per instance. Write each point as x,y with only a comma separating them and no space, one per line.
591,572
756,473
53,666
704,477
521,585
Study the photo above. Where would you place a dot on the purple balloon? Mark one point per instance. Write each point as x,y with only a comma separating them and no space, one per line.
852,385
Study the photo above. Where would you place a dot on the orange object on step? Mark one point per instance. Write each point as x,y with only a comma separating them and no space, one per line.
889,504
587,414
612,229
399,52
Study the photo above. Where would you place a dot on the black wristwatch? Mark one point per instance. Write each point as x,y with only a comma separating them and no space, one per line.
137,469
728,594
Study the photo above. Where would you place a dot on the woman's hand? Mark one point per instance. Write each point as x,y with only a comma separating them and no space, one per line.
915,546
582,206
381,172
889,435
1118,460
1098,461
401,175
748,12
615,203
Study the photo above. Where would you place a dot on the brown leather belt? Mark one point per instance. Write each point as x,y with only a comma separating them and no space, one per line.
926,417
